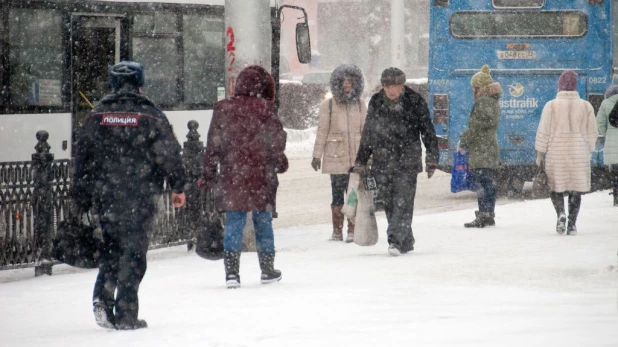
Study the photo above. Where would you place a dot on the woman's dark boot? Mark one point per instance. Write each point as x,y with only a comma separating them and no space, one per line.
267,265
482,219
231,261
350,237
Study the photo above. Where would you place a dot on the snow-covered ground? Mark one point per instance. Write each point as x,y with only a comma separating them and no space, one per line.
516,284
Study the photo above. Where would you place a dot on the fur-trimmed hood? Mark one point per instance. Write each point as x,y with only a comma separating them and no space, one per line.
336,83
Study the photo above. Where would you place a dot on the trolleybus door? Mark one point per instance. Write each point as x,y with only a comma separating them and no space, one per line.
95,46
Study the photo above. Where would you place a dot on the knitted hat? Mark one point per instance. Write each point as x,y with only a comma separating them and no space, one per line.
393,76
482,78
567,81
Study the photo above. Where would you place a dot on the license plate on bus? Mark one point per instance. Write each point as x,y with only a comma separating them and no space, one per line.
516,54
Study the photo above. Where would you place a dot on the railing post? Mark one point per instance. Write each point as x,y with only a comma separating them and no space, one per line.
42,204
193,159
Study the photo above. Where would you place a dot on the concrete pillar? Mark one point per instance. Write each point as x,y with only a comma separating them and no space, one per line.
248,37
398,33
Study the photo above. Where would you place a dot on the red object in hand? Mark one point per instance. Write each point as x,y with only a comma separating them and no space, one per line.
178,199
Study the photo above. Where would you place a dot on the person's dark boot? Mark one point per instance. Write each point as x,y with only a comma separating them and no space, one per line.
103,315
480,221
350,237
615,193
337,223
561,224
137,324
267,265
490,220
231,261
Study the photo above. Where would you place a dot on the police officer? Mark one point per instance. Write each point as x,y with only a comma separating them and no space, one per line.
125,151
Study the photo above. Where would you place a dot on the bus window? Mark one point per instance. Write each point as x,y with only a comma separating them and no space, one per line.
518,24
204,58
36,57
518,3
155,45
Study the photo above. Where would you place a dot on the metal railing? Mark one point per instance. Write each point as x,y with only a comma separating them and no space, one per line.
35,197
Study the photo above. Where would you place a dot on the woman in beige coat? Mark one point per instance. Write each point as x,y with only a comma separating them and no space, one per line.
340,124
566,136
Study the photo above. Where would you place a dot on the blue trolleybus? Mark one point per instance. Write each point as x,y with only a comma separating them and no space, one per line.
527,44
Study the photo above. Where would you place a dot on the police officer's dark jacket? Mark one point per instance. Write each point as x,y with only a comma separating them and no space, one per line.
125,151
393,131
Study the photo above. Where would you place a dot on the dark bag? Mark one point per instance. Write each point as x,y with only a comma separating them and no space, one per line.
540,186
613,116
75,243
209,240
461,177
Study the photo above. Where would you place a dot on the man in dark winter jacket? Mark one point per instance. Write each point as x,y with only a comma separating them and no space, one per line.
126,150
397,120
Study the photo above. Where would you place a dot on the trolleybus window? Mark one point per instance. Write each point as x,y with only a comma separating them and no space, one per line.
204,59
36,57
518,24
158,51
518,3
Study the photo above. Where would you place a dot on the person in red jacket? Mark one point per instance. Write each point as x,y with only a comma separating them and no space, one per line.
246,142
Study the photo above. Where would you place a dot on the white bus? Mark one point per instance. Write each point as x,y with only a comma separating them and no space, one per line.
54,57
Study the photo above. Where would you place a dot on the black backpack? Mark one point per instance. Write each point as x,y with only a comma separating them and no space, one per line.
613,116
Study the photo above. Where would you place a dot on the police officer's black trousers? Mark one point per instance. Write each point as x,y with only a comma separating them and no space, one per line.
397,191
122,266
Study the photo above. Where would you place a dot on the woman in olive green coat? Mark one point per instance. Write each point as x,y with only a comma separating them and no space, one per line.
480,141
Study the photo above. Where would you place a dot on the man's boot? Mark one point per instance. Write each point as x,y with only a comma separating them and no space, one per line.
231,261
350,237
267,265
103,314
337,223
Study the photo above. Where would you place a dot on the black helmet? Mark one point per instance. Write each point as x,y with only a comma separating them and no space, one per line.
126,72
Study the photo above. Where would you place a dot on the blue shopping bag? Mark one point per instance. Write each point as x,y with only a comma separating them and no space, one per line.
461,177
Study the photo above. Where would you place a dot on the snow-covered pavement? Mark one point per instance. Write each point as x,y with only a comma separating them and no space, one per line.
516,284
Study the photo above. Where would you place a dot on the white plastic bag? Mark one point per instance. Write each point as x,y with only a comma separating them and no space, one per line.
351,196
365,225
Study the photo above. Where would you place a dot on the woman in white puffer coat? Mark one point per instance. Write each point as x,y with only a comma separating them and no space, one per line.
567,136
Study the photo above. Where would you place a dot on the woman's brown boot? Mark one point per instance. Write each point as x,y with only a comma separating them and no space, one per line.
337,223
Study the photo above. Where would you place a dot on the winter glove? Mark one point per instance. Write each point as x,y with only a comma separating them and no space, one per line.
431,169
201,183
316,164
178,199
359,170
539,159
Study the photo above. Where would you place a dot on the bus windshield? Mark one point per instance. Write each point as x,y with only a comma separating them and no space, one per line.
518,24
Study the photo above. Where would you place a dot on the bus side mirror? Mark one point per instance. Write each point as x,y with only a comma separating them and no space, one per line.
303,43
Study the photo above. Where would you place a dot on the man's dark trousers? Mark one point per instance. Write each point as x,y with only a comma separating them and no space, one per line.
397,191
